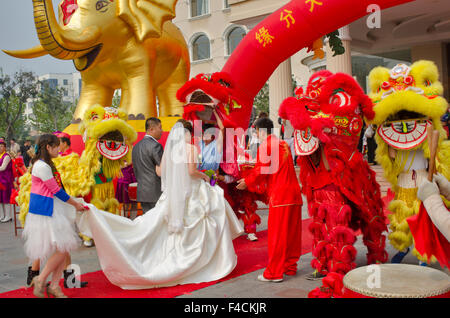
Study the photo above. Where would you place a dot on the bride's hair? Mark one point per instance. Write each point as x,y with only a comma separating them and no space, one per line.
187,125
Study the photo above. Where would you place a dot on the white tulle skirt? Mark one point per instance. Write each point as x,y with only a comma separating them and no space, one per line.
44,235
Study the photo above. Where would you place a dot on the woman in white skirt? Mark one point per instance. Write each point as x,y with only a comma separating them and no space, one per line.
49,233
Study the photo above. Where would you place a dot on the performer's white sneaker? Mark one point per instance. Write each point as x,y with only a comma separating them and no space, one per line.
88,243
263,279
252,237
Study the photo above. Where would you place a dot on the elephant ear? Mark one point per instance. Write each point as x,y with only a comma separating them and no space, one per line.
146,17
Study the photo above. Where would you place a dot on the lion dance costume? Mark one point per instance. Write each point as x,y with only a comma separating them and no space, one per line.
201,95
408,100
108,139
343,195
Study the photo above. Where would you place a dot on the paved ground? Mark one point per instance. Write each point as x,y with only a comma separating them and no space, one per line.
13,266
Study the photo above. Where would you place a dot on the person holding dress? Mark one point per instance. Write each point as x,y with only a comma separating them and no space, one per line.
187,237
49,233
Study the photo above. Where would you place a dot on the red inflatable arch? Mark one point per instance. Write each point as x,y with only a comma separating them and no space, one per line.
295,26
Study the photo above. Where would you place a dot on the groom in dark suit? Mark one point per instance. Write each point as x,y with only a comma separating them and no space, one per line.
147,155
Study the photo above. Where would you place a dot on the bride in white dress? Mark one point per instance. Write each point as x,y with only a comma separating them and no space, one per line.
186,238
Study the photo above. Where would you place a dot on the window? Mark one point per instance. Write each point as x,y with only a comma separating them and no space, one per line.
226,4
65,82
201,48
234,38
51,82
362,64
199,7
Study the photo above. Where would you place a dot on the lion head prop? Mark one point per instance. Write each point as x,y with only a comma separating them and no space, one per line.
331,110
108,140
407,100
206,92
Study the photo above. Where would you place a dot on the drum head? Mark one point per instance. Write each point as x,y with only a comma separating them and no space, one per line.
397,281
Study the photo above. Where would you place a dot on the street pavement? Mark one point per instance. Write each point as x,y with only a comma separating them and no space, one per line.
14,263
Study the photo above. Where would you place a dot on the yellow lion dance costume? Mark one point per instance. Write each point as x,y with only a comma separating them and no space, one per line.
407,100
108,140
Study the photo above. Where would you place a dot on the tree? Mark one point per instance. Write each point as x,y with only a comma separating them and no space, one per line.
50,112
18,130
14,93
261,102
116,99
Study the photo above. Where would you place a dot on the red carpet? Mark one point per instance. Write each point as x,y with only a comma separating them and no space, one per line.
252,256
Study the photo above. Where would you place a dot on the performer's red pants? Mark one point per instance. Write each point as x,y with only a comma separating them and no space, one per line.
284,240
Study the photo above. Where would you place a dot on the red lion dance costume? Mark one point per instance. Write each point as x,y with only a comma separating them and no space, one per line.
201,95
343,195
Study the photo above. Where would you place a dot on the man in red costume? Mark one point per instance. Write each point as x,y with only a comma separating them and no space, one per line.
274,176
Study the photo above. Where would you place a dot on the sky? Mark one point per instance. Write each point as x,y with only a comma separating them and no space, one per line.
17,32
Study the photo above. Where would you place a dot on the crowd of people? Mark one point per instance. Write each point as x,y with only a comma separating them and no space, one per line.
164,188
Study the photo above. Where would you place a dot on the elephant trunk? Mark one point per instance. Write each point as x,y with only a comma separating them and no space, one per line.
62,43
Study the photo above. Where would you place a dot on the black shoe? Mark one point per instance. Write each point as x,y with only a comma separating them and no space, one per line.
31,275
69,276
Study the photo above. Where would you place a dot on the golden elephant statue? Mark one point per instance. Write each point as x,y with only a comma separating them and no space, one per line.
117,44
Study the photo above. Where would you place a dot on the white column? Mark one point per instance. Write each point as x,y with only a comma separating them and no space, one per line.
340,63
280,88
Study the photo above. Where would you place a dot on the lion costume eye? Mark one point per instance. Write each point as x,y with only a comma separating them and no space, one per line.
340,99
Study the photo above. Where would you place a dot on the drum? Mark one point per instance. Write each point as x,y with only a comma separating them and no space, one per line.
132,191
396,281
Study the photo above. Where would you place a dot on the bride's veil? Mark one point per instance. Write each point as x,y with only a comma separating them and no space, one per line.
176,183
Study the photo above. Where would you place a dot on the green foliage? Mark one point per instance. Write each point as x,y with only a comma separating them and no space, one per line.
116,100
335,43
50,112
15,91
261,102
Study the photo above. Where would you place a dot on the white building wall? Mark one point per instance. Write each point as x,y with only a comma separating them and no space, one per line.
216,25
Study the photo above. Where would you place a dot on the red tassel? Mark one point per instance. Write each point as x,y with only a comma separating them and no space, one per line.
343,235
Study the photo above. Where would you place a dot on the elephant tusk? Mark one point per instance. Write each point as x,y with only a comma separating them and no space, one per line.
32,53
